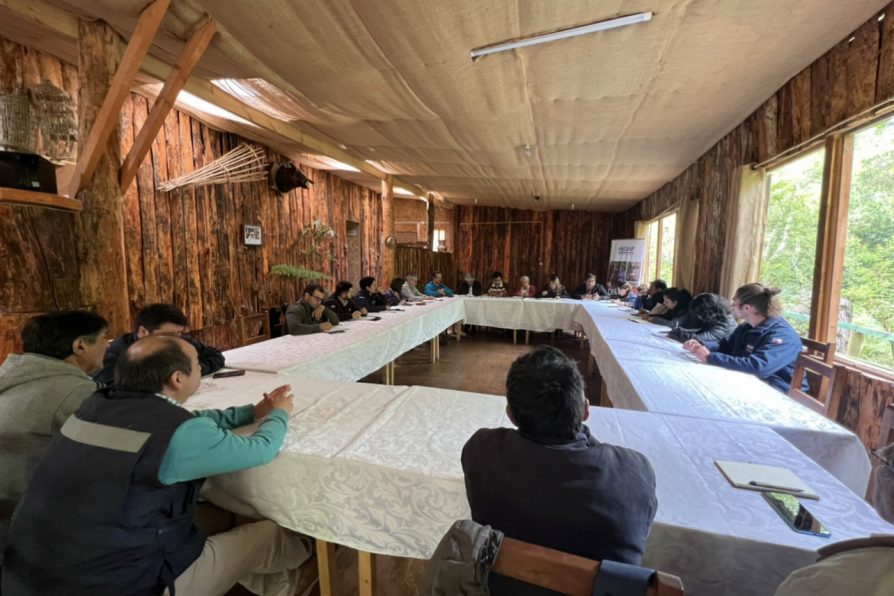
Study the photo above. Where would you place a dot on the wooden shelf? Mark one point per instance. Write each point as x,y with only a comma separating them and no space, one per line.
30,198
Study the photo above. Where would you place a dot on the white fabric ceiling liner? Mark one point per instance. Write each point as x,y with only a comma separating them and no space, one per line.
610,116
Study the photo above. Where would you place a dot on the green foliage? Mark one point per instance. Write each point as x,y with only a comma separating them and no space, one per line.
297,273
868,275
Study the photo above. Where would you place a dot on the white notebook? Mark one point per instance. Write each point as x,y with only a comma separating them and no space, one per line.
765,478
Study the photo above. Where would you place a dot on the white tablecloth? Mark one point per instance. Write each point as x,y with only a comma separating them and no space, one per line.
364,347
643,370
529,314
378,468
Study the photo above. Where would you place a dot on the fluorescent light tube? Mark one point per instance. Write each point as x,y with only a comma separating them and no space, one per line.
632,19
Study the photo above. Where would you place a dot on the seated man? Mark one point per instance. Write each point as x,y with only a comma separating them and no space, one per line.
39,390
342,304
409,291
590,289
550,482
765,345
709,319
111,507
676,301
308,315
436,288
470,286
369,297
654,297
158,319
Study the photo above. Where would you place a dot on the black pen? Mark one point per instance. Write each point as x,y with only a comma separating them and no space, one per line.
787,489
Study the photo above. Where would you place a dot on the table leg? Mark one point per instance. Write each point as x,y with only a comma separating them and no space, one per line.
591,365
458,329
604,401
434,347
391,366
515,336
527,337
325,566
366,568
437,351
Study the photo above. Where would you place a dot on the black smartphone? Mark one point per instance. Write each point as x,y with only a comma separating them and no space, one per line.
375,319
796,515
336,331
228,373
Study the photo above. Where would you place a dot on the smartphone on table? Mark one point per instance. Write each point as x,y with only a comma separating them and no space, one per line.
796,515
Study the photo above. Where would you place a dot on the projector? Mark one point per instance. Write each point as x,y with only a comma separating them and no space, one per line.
27,171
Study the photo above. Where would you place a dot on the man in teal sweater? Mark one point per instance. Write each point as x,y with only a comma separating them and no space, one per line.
123,478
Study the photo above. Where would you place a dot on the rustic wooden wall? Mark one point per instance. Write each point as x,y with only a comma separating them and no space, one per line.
533,243
184,247
187,245
38,252
850,78
423,263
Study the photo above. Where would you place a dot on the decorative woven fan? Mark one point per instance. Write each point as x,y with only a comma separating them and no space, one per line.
53,109
245,163
17,133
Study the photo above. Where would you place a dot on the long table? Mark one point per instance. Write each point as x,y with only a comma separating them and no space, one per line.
365,346
528,314
377,468
643,370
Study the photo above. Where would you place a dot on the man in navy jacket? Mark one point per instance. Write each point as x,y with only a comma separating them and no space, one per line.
552,483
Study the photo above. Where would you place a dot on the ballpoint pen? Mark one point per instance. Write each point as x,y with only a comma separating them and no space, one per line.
787,489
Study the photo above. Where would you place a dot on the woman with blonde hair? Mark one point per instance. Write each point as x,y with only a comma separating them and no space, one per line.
764,345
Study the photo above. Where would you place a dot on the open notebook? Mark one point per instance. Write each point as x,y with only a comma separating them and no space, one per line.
764,478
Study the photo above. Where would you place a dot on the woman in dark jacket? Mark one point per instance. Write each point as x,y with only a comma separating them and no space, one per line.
677,302
709,319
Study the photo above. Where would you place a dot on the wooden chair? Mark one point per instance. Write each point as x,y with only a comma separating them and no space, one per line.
563,572
886,430
820,350
819,369
254,328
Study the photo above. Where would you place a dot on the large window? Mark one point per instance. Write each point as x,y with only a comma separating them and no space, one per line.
789,252
856,306
866,316
661,237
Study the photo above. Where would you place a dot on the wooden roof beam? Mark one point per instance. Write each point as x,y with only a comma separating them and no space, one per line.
176,79
108,115
65,24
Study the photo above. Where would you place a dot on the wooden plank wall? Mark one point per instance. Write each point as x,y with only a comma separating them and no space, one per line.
183,247
853,76
187,245
38,251
534,243
423,262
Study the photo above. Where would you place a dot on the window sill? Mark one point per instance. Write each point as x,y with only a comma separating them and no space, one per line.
884,374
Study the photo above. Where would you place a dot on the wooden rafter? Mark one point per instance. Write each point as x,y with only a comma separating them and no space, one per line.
65,24
107,117
180,73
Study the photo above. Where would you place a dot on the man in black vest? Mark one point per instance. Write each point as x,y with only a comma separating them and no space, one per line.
550,482
111,507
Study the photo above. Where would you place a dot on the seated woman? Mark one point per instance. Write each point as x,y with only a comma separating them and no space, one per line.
496,285
676,300
765,345
554,288
623,293
525,289
392,294
709,319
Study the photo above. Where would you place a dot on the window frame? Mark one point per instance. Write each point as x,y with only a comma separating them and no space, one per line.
832,235
659,219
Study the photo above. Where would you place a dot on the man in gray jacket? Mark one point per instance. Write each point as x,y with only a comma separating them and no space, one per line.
308,315
39,390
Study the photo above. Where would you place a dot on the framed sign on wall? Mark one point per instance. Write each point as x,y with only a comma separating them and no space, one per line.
252,235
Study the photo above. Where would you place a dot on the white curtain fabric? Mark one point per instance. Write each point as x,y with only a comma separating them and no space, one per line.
747,216
684,255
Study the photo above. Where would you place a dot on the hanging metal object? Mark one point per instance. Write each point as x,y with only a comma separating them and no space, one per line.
53,110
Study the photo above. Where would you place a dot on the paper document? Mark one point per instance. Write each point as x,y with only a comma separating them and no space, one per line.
764,478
